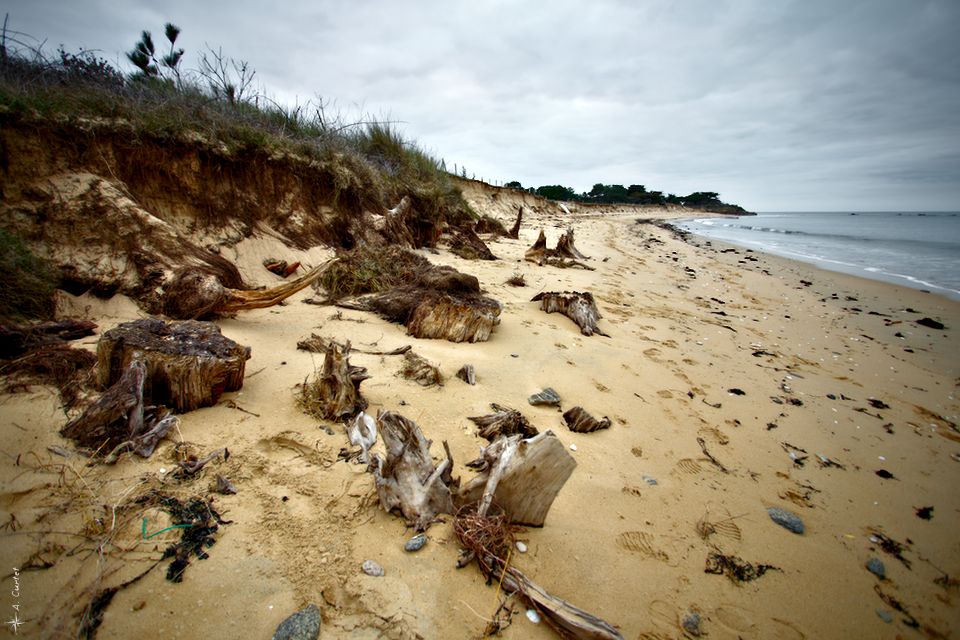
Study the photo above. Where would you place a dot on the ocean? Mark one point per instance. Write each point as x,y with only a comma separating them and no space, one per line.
915,249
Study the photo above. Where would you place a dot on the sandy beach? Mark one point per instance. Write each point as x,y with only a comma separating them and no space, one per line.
735,382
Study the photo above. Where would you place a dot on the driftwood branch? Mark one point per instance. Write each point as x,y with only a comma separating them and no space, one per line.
334,393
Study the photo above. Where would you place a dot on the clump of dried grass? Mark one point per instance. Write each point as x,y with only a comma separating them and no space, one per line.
517,280
71,371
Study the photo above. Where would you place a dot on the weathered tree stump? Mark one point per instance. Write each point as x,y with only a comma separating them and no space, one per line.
486,224
120,420
564,256
578,420
189,364
503,422
522,476
566,248
407,479
464,242
467,374
515,229
334,394
393,225
416,368
579,307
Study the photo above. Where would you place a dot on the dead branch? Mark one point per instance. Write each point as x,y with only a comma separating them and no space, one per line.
579,307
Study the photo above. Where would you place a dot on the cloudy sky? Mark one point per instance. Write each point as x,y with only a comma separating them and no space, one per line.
779,105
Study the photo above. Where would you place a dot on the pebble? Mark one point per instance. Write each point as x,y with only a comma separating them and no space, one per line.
547,397
573,447
303,625
415,543
371,568
650,481
875,566
522,548
885,616
533,616
691,624
787,520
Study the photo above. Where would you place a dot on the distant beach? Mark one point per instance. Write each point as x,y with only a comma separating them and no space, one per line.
916,249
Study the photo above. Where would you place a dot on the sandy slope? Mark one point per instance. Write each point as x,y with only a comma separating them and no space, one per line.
686,323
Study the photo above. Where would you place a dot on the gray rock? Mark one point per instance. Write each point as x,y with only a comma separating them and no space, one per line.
875,566
416,542
303,625
650,480
371,568
886,616
547,397
691,624
787,520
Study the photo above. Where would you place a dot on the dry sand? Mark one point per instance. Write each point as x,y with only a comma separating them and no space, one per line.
687,323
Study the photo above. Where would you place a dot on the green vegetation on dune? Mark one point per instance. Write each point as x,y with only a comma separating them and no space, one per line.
634,194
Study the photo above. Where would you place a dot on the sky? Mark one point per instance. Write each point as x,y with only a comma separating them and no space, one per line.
778,105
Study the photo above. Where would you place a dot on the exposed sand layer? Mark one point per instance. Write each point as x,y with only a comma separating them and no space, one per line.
687,323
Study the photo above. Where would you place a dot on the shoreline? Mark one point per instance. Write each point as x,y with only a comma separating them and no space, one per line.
687,468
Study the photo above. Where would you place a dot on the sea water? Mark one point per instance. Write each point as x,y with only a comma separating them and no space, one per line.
916,249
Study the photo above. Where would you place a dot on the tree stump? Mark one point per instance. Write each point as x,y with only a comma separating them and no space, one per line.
189,364
564,256
464,242
407,478
503,422
523,477
515,229
335,392
579,421
577,306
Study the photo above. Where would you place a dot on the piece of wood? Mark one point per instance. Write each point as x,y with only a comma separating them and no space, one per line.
465,242
334,393
579,421
467,374
319,344
194,293
538,251
579,307
568,620
416,368
515,229
15,340
565,255
533,474
566,248
189,364
406,479
393,225
503,422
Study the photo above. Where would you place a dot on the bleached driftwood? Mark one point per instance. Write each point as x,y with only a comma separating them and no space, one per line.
523,476
334,394
503,422
570,621
578,420
393,224
189,364
407,479
363,433
579,307
194,293
120,420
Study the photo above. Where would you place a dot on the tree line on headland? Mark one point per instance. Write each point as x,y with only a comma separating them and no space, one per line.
634,194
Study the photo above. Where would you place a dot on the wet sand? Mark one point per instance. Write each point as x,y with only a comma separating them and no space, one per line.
837,368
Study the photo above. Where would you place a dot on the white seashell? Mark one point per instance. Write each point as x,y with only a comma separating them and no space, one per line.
522,548
533,616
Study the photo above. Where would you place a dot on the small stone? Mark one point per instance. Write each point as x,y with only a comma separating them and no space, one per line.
533,616
522,548
787,520
371,568
886,616
875,566
650,480
573,447
691,624
303,625
415,543
547,397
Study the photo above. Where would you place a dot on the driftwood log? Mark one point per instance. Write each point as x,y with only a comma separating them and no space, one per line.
579,421
579,307
407,480
334,393
195,293
503,422
523,476
189,364
120,420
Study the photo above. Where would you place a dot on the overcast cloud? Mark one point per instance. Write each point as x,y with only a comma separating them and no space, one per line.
779,106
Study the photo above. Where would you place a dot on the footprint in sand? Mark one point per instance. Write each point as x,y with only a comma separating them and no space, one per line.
641,542
716,434
637,451
734,619
665,393
689,466
651,353
633,491
664,616
725,528
786,630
